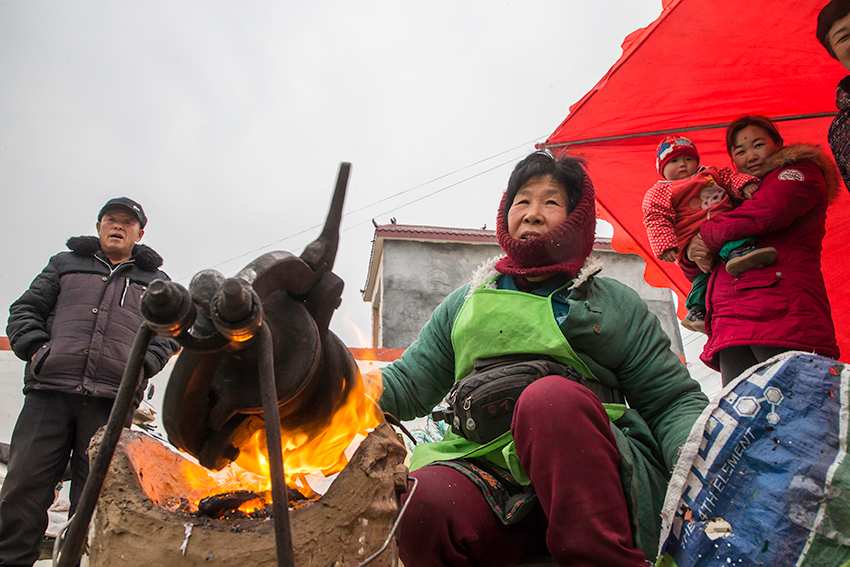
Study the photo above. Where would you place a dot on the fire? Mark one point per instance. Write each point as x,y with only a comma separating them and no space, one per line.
252,505
303,455
323,452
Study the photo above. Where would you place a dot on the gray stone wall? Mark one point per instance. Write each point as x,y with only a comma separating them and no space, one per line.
419,275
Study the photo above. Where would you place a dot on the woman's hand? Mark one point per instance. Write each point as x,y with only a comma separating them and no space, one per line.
699,254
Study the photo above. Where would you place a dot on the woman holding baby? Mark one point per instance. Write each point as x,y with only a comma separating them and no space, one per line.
763,312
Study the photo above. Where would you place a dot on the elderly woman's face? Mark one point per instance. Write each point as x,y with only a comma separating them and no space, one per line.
750,148
539,206
839,39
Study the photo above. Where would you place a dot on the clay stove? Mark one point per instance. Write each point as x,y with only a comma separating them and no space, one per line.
344,527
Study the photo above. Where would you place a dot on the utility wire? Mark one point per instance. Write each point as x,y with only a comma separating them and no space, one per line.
314,227
434,192
442,177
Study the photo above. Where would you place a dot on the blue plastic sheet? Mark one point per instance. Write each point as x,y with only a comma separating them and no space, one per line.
763,479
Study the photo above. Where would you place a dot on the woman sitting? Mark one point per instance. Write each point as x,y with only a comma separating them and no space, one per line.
576,472
784,306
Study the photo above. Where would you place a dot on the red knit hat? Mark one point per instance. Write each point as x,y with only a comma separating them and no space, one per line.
561,250
673,146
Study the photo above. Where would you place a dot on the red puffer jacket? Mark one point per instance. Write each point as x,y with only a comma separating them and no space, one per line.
783,305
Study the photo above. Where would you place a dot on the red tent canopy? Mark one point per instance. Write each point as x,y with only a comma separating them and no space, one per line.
696,68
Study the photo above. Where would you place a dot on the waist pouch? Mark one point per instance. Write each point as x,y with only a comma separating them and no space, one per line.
481,404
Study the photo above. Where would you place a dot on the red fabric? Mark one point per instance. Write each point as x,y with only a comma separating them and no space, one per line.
565,445
561,250
769,63
564,442
673,211
785,304
449,523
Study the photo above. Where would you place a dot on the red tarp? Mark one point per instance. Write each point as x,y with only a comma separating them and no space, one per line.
696,68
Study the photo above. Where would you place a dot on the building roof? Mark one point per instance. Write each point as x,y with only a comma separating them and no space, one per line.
439,233
394,231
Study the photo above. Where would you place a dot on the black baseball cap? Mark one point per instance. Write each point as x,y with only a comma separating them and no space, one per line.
124,203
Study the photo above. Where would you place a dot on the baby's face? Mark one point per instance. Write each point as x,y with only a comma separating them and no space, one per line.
679,167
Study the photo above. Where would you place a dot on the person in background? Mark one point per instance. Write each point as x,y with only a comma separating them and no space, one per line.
576,472
833,31
674,209
74,327
763,312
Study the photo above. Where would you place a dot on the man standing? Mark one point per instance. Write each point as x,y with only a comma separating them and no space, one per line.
74,326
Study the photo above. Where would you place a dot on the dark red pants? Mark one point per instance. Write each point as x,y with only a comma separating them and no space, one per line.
565,445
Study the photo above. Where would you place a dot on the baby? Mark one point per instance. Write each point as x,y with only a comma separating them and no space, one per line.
674,210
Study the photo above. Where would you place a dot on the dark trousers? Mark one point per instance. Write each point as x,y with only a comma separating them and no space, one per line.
51,427
734,360
565,444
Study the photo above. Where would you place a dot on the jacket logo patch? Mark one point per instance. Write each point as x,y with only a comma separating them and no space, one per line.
792,175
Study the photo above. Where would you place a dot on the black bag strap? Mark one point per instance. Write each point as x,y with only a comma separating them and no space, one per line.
606,394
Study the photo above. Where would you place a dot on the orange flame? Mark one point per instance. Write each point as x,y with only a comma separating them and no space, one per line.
303,455
323,452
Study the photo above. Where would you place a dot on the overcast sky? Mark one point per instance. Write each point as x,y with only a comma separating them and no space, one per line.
228,120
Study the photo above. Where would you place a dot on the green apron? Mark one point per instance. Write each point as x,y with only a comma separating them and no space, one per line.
497,322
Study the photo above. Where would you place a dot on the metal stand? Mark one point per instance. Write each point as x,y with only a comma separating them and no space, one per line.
271,415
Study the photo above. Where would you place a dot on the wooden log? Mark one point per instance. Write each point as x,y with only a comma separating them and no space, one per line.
341,529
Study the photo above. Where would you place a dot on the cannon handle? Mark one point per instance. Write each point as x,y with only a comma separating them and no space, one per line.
321,253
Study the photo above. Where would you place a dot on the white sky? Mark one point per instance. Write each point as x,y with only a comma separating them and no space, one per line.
228,120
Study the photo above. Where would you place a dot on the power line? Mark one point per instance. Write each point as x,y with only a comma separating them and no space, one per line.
431,194
443,177
314,227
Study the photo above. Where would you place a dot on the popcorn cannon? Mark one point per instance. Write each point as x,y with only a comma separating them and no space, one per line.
257,354
214,389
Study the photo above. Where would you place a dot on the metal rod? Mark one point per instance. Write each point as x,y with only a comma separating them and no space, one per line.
676,130
79,524
271,416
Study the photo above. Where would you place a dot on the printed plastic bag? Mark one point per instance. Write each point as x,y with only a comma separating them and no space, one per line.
763,478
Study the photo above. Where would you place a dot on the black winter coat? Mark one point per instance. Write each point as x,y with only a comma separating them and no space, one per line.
80,316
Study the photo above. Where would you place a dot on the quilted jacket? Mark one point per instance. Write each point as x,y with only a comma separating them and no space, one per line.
79,319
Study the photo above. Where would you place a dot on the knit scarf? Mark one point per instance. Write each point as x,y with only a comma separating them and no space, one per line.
562,250
839,130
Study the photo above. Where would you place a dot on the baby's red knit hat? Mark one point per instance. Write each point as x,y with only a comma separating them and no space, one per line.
674,146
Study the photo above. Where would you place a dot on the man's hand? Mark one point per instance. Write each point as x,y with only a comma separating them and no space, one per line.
699,254
749,189
669,255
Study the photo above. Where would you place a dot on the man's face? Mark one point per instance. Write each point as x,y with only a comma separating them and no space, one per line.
118,231
839,40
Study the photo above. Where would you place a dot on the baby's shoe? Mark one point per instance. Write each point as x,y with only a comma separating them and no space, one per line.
749,257
695,320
